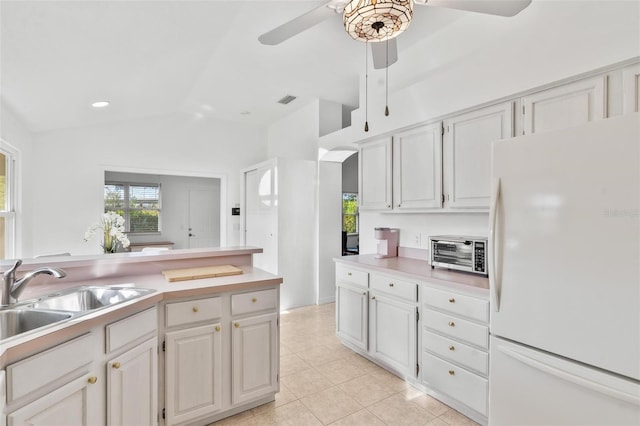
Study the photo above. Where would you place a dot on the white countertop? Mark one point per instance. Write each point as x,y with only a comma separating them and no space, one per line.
421,270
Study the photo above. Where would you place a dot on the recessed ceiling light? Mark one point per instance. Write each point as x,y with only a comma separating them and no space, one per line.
100,104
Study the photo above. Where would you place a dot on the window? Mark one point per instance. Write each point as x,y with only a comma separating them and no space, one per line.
7,209
350,213
138,203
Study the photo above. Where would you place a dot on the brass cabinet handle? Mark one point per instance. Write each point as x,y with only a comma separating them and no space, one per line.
254,300
452,324
92,380
390,284
349,273
452,373
373,298
195,309
236,325
217,328
115,365
452,300
452,348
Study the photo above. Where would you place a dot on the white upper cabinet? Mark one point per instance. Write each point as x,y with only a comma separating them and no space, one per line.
467,154
417,168
375,170
565,106
631,89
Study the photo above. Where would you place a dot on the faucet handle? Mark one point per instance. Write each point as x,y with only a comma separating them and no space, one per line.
12,270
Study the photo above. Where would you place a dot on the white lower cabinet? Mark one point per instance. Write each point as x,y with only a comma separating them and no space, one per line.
392,329
377,315
193,371
76,403
455,349
254,357
132,386
352,315
220,355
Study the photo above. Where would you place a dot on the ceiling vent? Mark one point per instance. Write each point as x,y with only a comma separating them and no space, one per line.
287,99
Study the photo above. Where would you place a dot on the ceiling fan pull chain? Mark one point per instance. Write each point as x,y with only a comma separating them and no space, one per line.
386,100
366,87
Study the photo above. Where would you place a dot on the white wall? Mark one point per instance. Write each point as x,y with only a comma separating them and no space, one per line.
547,42
296,135
350,174
329,227
70,163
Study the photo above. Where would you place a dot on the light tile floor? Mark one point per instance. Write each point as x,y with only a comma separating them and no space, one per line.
322,382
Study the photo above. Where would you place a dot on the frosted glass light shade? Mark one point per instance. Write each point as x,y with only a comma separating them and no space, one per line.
377,20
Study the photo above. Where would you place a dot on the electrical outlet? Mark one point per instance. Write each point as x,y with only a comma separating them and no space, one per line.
416,239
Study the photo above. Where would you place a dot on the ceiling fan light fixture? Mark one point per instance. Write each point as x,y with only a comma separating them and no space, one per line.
377,20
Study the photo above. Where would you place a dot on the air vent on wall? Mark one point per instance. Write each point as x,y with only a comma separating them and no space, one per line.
287,99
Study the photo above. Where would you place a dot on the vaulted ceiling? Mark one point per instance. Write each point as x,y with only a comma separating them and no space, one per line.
197,57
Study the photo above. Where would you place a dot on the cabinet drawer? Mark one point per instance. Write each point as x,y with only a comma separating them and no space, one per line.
353,276
457,328
399,288
130,329
255,301
33,373
452,350
192,311
466,387
456,303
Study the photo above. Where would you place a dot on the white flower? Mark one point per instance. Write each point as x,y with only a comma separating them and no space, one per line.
113,230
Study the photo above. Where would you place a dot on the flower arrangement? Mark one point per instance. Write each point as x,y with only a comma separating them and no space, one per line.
112,225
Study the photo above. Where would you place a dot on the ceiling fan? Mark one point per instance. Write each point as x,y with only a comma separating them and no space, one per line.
382,20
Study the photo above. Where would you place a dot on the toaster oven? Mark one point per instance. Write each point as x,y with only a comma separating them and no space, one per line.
459,253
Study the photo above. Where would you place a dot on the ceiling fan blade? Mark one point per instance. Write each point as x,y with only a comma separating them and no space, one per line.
491,7
379,53
297,25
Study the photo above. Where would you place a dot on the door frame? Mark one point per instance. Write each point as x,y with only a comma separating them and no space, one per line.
223,188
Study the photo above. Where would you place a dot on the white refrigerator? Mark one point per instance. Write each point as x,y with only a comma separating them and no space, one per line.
564,270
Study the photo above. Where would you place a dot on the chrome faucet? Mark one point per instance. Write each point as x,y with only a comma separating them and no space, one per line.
12,289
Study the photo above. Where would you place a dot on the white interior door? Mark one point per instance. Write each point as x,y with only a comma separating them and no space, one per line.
204,218
261,216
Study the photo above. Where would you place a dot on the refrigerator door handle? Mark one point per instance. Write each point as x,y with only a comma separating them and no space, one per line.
494,282
569,377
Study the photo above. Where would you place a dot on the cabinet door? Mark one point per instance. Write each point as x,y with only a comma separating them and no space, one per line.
417,168
631,89
375,175
254,357
74,404
352,315
468,154
393,334
193,385
565,106
132,386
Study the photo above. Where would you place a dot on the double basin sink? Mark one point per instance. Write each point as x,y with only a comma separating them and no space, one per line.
34,314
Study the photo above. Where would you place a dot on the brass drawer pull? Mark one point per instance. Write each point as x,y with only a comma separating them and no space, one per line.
452,348
373,298
452,300
92,380
115,365
390,284
236,325
452,373
195,309
217,328
452,324
349,273
254,300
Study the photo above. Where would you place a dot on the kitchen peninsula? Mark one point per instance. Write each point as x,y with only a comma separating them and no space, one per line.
191,351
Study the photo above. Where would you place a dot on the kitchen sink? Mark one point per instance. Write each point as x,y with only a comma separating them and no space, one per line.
17,321
85,299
